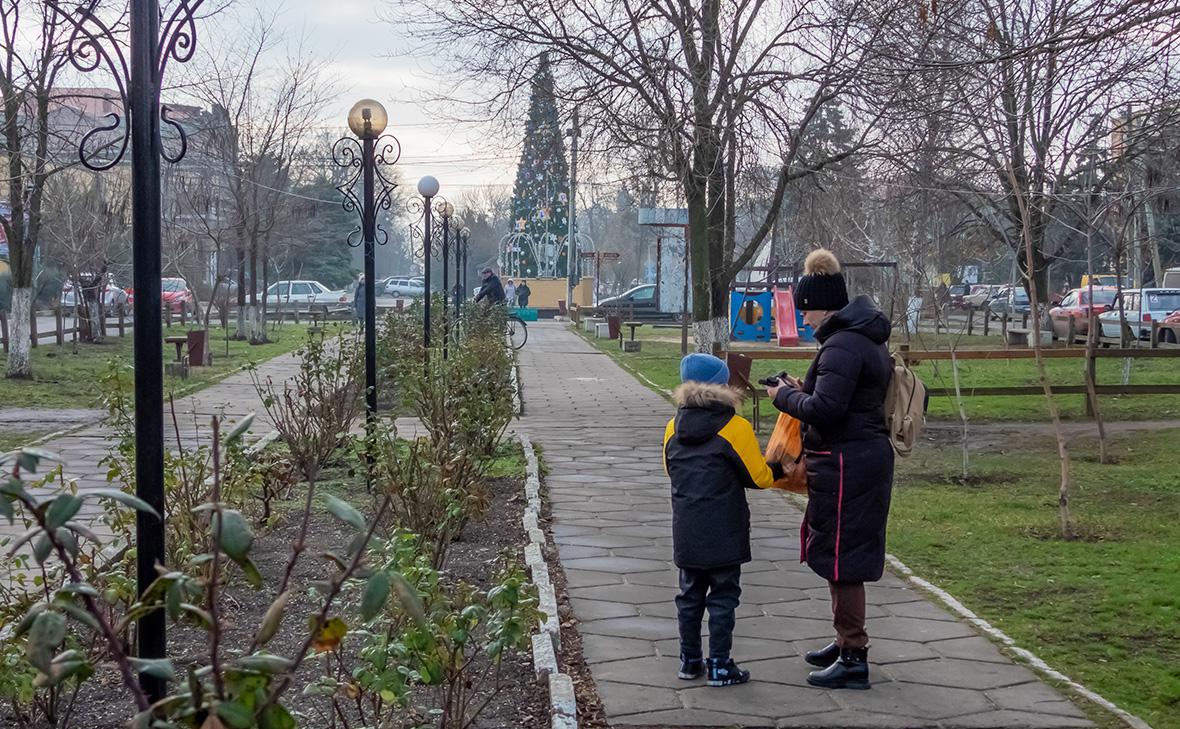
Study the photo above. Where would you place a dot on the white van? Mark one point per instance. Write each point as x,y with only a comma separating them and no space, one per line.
1171,279
1140,307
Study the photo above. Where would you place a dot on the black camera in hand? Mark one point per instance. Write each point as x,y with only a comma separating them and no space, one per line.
774,380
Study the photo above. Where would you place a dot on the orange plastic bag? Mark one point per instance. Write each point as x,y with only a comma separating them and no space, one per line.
786,448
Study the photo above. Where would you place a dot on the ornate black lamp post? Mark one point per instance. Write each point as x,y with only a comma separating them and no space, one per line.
461,238
428,189
446,211
363,157
93,45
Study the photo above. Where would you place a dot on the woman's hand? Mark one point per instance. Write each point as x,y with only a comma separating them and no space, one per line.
784,381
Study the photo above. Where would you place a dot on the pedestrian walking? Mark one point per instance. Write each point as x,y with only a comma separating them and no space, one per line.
711,455
358,300
510,292
523,292
841,403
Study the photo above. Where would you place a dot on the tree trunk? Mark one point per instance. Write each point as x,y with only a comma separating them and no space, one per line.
240,332
95,314
19,364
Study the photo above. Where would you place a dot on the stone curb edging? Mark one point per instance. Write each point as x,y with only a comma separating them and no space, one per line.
1004,639
563,705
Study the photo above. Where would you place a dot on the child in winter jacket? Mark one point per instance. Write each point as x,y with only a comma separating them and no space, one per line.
711,455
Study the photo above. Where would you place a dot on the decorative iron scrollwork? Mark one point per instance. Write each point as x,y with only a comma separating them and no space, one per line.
348,153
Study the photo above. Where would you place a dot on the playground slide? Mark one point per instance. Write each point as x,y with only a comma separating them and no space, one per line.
785,324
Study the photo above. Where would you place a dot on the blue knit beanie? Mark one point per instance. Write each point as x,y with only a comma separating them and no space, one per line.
706,368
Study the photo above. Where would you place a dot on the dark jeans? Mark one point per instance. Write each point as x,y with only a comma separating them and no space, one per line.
718,589
848,614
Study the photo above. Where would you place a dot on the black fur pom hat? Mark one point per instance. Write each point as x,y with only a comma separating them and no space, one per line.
822,287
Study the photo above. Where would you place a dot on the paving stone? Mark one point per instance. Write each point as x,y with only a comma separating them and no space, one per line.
855,720
1009,719
645,627
587,610
609,541
777,628
758,698
974,648
794,579
570,552
621,565
1035,697
924,610
604,648
918,629
590,578
628,698
646,671
908,699
663,578
668,610
691,718
956,673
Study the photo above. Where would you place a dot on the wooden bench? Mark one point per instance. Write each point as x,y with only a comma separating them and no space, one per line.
631,345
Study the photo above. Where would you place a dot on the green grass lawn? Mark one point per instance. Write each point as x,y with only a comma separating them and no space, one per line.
659,362
67,376
1103,608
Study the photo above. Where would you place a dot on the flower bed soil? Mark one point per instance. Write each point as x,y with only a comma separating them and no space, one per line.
521,703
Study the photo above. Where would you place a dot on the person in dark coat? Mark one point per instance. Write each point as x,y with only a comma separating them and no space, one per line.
711,455
358,301
491,291
523,292
841,403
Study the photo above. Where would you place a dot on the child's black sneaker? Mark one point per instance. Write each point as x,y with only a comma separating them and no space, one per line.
691,668
726,673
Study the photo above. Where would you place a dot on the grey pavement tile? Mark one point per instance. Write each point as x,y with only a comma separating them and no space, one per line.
745,647
589,578
691,718
644,627
627,698
918,629
651,551
779,628
610,541
758,698
1016,720
668,609
1034,697
855,720
974,648
660,578
571,552
588,610
606,648
608,564
634,594
923,609
907,699
794,579
645,671
956,673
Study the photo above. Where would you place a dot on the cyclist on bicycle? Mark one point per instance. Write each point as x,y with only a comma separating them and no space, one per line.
492,291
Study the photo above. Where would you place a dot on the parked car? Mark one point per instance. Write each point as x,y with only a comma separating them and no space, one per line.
1169,335
175,294
402,287
309,294
1011,300
1077,306
958,295
1140,307
113,295
1171,279
639,302
980,294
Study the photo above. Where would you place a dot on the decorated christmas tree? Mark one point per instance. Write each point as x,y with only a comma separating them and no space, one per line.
540,199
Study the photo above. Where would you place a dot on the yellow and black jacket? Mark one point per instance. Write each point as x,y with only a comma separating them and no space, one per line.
711,455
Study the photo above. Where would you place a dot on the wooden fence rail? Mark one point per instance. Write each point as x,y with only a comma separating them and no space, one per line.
60,331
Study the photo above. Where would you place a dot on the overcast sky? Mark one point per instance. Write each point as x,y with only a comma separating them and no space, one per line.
461,156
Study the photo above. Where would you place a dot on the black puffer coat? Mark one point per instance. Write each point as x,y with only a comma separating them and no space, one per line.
849,456
711,455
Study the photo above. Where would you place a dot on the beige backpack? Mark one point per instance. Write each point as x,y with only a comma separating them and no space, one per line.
905,407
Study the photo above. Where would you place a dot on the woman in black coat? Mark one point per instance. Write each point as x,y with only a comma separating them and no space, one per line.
841,403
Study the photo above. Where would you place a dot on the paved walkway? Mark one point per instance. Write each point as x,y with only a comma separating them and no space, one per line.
600,431
234,397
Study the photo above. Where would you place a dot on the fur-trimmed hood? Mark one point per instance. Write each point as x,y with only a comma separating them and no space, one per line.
704,410
702,395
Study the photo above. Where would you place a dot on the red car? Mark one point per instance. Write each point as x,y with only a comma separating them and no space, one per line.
1077,306
1171,335
175,294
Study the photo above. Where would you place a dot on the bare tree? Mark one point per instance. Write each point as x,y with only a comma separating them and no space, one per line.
262,113
32,52
694,92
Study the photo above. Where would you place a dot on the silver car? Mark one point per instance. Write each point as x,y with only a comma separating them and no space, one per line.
113,295
405,287
306,294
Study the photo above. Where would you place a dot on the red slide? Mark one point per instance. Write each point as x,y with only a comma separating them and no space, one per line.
784,318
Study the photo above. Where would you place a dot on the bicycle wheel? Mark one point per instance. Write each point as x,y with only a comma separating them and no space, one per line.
518,332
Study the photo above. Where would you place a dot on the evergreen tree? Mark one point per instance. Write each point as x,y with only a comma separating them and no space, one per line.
324,255
541,196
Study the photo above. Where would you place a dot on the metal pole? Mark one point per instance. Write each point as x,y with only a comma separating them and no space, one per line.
426,286
466,249
370,231
446,267
458,276
571,248
148,336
